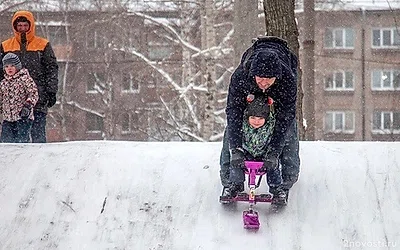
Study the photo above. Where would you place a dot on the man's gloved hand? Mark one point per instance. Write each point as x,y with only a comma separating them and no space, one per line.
25,111
237,158
52,98
270,162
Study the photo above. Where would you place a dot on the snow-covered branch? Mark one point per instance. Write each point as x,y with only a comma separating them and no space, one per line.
166,77
170,29
77,105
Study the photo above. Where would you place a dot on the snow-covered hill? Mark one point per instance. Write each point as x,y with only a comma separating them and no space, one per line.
131,195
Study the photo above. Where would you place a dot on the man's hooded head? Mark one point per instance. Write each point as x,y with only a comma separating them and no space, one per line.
24,16
20,19
266,64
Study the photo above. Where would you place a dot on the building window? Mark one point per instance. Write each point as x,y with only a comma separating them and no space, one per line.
129,83
95,40
339,38
340,80
94,81
385,38
385,80
386,122
339,122
94,123
159,51
54,32
127,121
61,76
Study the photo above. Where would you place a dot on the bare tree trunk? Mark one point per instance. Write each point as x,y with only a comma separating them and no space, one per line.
280,21
245,24
208,68
63,100
109,121
185,33
108,99
187,61
309,81
63,97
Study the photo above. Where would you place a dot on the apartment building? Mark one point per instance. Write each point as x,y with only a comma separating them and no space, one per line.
118,71
111,94
105,91
357,74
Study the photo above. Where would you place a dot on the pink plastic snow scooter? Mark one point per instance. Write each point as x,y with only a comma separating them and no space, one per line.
250,216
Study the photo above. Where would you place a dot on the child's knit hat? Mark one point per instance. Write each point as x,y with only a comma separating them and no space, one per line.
12,59
257,106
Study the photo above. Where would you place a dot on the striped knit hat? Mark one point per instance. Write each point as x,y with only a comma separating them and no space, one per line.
12,59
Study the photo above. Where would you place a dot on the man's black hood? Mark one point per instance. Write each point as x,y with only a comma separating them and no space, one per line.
266,64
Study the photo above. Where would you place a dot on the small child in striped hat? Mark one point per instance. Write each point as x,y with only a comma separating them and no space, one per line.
18,96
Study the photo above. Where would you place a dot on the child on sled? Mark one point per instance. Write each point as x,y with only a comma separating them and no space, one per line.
258,125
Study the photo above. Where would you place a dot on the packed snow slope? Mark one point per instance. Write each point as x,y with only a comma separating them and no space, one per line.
164,196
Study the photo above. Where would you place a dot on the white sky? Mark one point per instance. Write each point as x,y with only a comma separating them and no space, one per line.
355,4
165,196
141,5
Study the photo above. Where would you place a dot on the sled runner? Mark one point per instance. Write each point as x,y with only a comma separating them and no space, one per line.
250,216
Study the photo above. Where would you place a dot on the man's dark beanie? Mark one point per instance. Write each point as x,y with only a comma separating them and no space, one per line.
266,64
12,59
258,107
20,19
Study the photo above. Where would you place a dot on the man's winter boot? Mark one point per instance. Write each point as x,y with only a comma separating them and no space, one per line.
287,195
279,198
226,192
233,190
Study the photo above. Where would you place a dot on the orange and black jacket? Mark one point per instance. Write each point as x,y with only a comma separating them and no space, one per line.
36,55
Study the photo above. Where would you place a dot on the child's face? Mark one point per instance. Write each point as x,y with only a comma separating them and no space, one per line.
256,121
10,69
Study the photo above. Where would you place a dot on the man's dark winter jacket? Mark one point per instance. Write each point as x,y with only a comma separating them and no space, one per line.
36,55
283,91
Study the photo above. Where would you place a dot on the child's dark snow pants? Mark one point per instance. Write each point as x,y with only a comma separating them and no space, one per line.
16,132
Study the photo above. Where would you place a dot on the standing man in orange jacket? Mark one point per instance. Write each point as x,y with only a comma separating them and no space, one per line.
36,55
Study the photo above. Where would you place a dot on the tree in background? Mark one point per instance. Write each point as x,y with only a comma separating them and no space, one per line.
196,113
280,21
191,99
247,26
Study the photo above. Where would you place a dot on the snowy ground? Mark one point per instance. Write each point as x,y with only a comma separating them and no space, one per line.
159,196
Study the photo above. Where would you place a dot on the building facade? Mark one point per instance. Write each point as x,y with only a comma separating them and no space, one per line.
107,91
357,75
